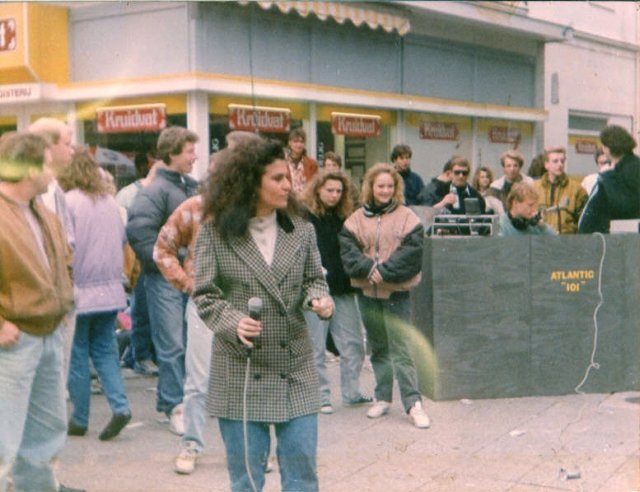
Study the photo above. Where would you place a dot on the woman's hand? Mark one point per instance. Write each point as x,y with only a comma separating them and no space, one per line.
375,277
322,306
248,328
9,334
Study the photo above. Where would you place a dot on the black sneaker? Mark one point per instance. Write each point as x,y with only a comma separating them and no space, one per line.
74,429
360,400
63,488
114,426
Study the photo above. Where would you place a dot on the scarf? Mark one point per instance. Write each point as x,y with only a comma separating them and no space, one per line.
371,209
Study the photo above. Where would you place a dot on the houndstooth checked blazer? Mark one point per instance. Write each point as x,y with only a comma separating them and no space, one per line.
283,382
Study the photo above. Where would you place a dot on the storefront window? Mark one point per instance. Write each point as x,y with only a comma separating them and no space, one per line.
358,153
219,128
134,145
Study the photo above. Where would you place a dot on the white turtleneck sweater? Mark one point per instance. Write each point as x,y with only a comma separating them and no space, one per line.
264,231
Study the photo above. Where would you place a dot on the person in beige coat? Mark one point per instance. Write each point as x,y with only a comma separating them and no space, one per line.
381,249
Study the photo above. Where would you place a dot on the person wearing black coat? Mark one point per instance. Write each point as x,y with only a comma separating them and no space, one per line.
329,202
151,208
616,195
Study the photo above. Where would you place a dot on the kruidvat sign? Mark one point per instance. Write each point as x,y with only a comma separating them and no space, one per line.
131,119
355,125
435,130
504,134
586,147
259,118
19,93
7,34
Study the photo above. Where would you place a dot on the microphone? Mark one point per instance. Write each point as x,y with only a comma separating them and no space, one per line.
564,203
255,312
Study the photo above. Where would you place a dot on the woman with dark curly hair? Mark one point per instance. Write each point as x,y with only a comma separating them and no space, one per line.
329,203
616,195
99,236
253,248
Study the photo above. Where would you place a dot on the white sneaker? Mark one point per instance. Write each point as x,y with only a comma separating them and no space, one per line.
326,408
419,417
186,461
379,409
176,420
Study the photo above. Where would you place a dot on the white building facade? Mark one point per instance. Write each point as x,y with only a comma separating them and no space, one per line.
466,78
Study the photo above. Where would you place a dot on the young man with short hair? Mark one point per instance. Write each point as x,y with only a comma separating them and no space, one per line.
459,189
148,213
603,163
523,216
561,197
511,162
413,184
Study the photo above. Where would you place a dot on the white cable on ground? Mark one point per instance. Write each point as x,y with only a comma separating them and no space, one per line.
592,363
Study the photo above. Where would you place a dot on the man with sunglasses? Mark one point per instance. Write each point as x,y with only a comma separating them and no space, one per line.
451,199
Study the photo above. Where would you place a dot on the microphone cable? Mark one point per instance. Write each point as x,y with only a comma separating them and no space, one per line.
245,426
592,363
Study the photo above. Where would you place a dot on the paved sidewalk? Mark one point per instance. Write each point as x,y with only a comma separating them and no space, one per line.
572,443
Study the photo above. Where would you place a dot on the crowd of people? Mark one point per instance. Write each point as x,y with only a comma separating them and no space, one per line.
235,283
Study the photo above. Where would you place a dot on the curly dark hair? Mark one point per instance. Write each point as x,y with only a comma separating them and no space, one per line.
618,140
231,192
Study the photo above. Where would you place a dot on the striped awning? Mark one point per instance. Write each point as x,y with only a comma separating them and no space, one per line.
341,12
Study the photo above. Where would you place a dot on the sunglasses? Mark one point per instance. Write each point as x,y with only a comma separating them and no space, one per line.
461,172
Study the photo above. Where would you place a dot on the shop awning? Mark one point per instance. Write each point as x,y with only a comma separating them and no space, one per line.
342,12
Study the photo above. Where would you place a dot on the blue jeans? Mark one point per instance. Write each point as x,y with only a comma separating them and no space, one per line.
95,337
297,442
141,343
385,321
347,335
33,421
166,312
196,384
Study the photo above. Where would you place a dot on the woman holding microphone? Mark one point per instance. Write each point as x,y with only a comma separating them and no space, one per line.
253,245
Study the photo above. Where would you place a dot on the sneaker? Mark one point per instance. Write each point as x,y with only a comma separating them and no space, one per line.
359,400
115,425
96,387
326,408
74,429
145,367
419,417
176,420
64,488
186,461
379,409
